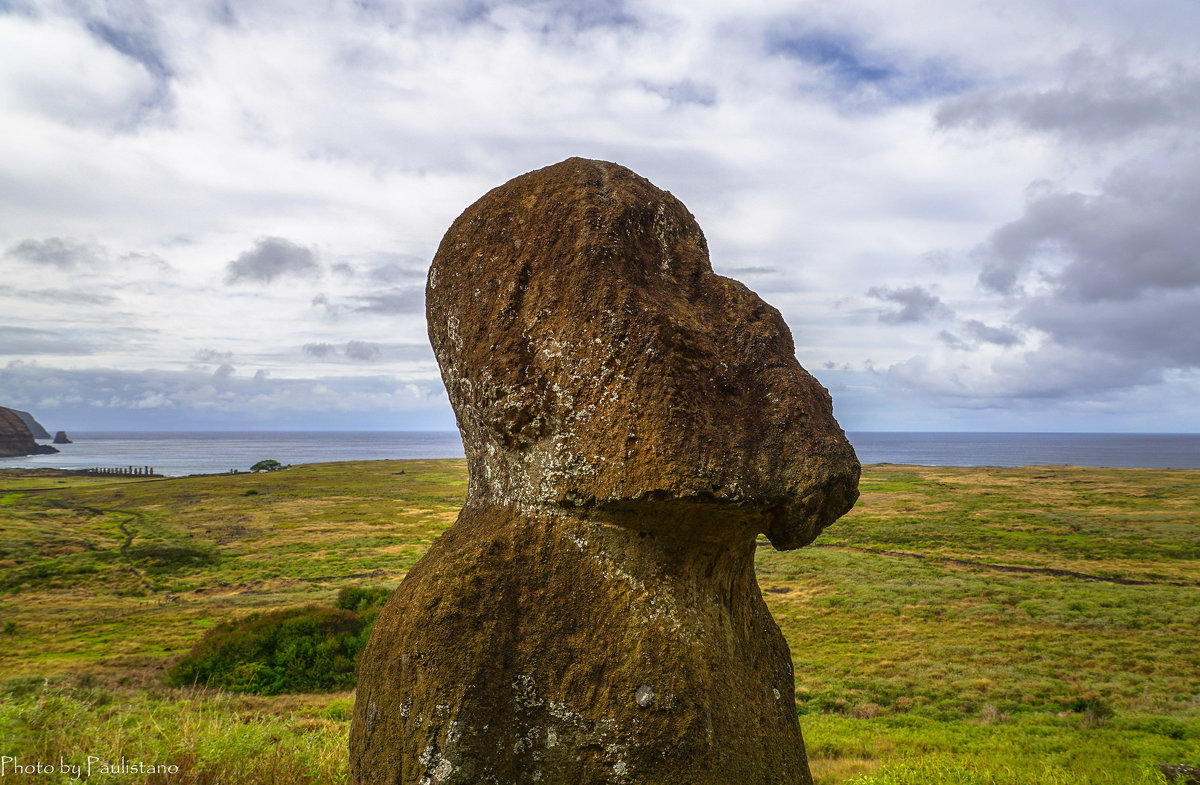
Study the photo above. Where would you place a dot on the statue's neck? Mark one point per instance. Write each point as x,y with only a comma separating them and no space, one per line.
701,549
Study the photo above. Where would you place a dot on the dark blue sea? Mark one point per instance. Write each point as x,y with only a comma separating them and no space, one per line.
182,453
1124,450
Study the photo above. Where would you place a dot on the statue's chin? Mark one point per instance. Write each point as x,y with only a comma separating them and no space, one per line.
796,523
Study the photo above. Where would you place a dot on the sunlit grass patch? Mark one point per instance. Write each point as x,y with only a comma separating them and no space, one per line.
207,736
1041,750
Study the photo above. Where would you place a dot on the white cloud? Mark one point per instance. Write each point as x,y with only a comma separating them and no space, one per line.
189,399
828,150
54,70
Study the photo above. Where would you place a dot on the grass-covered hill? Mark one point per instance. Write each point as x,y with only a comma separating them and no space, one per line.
966,626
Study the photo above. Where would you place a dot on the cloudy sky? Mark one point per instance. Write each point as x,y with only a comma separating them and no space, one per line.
973,215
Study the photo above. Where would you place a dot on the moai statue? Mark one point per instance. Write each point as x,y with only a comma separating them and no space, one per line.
632,421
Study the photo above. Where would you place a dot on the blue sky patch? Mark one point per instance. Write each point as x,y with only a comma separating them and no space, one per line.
834,54
131,44
857,73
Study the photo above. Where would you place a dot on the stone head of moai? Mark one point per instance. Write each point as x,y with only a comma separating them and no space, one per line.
595,361
632,422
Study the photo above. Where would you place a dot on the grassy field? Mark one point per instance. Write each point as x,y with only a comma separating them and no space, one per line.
961,626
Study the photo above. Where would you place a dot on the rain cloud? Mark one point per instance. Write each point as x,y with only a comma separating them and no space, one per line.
272,258
65,254
916,304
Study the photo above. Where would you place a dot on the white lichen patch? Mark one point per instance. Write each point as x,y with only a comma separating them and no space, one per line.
438,767
617,753
442,771
559,711
531,740
525,696
373,715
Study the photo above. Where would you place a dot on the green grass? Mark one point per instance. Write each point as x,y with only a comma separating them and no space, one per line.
168,558
207,737
921,655
1031,750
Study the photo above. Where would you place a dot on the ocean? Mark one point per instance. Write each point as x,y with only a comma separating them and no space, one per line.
178,453
1118,450
183,453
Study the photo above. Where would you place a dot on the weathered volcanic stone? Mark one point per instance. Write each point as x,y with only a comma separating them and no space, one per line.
60,437
631,422
16,438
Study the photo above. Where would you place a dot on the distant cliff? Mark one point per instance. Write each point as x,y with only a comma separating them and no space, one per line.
35,427
16,438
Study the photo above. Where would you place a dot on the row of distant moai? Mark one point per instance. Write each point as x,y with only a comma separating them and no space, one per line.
632,423
123,471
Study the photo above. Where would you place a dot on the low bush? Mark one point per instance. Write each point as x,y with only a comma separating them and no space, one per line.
311,649
1162,726
361,598
1095,710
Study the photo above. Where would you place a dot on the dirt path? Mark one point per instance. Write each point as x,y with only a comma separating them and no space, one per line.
124,547
1083,576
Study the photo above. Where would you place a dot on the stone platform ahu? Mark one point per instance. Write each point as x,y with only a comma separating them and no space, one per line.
632,422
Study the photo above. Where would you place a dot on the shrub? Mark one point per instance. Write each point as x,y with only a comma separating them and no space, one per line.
308,649
267,465
360,599
1095,710
1163,726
